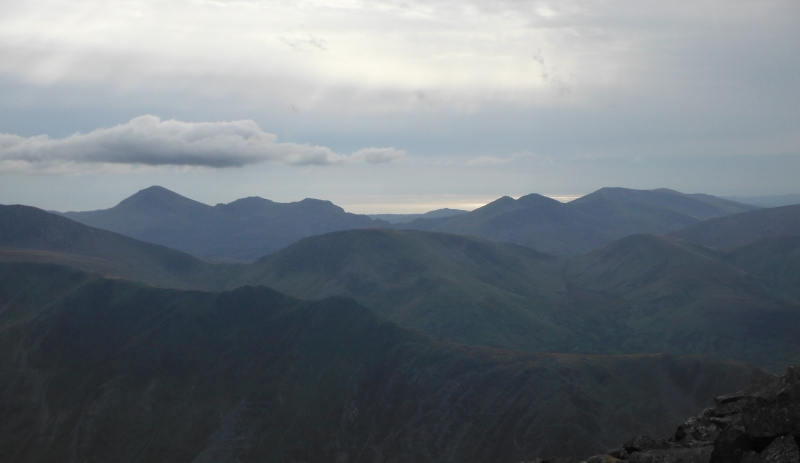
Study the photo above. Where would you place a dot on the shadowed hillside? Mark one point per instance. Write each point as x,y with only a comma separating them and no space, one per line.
30,234
641,294
243,230
742,228
455,287
103,370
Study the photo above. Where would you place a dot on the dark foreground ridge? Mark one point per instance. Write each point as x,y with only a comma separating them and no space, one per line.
102,370
760,424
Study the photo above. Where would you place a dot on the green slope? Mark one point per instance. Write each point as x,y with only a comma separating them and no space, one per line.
101,370
666,295
774,259
641,294
458,288
30,234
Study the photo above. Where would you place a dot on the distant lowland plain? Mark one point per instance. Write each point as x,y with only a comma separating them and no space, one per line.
166,329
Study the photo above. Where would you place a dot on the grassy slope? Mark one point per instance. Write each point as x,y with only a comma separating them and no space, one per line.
673,296
773,259
640,294
455,287
103,370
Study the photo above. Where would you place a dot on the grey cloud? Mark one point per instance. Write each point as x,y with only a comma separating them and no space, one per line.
374,155
147,140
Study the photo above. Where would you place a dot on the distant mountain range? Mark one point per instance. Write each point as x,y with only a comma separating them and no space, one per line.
640,294
249,228
584,224
243,230
406,218
106,370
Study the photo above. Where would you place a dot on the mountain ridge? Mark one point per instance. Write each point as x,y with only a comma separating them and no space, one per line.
585,223
240,231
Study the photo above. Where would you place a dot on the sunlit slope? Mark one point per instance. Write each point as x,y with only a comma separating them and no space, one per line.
30,234
742,228
583,224
106,370
641,294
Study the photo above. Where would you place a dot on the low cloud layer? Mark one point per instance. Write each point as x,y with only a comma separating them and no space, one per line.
149,141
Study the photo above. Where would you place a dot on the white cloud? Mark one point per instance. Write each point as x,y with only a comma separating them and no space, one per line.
149,141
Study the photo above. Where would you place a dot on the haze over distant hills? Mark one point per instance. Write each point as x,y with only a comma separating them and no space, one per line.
249,228
640,294
106,370
242,230
742,228
583,224
405,218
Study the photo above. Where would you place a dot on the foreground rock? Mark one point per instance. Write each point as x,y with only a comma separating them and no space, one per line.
758,425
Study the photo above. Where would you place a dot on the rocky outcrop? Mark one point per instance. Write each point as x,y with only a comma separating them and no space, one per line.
760,424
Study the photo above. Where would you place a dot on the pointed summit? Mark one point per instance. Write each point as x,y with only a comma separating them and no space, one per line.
158,199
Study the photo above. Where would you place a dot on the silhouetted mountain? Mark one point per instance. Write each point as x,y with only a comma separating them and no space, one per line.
405,218
767,201
104,370
741,228
30,234
699,206
641,294
243,230
585,223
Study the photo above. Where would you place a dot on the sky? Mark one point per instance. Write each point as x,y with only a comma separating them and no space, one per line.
387,106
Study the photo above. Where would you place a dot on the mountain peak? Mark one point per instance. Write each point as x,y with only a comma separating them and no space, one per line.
535,199
160,198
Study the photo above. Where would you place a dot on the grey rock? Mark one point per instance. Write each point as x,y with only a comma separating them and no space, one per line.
781,450
643,443
730,445
674,455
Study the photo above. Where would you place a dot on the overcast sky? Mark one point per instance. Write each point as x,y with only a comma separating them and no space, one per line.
395,106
